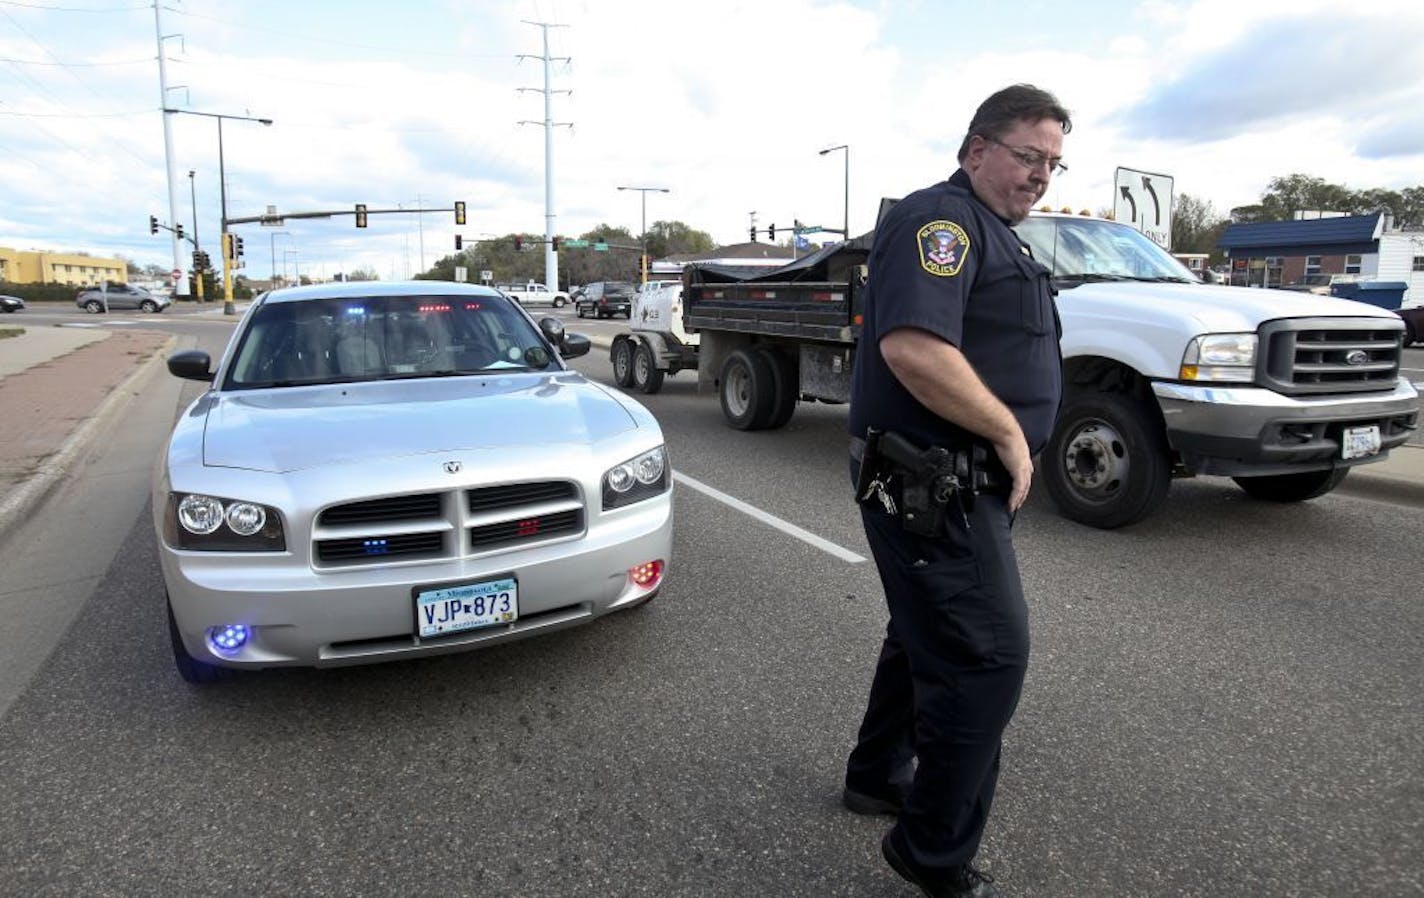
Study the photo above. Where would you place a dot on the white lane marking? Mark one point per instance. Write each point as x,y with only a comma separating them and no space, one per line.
787,527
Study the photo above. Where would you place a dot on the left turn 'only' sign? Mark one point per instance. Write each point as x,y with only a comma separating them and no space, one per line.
1144,199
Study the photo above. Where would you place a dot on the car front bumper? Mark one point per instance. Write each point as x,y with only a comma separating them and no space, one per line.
299,615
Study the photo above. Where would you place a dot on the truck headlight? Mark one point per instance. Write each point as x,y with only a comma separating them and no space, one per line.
636,479
1218,357
213,524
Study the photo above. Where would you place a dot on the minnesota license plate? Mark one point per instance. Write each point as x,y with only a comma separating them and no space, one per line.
1360,442
453,609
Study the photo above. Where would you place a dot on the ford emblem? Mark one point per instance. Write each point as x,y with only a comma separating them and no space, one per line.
453,467
1357,357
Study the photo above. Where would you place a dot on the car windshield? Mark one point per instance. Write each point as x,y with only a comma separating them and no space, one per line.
316,341
1091,249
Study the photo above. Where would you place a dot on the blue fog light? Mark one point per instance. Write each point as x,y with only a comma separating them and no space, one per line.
229,638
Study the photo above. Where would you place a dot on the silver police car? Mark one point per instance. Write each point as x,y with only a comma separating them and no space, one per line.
380,471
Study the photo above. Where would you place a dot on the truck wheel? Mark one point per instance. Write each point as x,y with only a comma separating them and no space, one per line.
748,389
647,377
192,670
93,307
558,302
1292,487
623,362
787,388
1107,463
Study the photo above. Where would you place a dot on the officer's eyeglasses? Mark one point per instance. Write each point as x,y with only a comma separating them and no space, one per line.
1031,159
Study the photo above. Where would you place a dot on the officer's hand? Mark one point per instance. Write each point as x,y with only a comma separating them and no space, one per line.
1015,456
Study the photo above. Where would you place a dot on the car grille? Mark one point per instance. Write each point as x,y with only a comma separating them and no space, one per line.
447,525
1308,356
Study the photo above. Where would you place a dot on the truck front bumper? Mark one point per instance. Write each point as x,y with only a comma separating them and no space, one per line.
1248,431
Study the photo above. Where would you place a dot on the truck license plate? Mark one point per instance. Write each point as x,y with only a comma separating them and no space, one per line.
453,609
1360,442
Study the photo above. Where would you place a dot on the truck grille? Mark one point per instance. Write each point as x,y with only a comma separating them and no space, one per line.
1311,356
425,525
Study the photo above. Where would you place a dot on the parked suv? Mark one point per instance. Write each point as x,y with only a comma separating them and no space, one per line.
604,299
120,296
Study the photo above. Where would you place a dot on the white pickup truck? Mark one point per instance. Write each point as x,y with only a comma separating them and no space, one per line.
532,294
1164,376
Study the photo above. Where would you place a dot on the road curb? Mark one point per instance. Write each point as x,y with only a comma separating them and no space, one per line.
16,507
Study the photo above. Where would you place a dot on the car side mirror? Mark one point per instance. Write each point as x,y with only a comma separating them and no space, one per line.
574,345
191,364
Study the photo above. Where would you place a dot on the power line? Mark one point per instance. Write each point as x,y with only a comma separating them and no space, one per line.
71,8
307,38
73,64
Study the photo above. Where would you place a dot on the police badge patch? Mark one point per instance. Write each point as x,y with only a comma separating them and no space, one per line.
943,245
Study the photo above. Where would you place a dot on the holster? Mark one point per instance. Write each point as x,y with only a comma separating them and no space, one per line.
929,479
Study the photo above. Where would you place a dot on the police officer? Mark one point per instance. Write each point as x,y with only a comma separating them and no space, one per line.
959,349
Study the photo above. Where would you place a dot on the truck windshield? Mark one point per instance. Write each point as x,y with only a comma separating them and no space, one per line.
1091,249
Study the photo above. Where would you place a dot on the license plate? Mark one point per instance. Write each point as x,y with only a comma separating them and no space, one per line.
1360,442
453,609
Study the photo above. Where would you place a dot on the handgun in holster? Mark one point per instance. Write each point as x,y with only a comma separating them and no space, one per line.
932,478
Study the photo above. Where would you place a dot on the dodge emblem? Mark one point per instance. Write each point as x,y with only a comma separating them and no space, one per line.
1357,357
453,467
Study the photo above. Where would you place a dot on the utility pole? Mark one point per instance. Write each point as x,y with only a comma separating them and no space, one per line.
551,258
180,287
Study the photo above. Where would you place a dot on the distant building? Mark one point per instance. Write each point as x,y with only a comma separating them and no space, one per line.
1316,252
747,254
36,267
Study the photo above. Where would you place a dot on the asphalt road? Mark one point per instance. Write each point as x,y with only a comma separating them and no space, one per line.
1224,699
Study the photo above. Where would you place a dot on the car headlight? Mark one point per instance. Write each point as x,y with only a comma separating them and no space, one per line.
213,524
636,479
1218,357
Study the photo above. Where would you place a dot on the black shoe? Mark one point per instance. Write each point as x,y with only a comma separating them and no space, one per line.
889,801
963,882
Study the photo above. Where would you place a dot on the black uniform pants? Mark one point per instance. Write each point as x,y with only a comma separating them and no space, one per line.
948,678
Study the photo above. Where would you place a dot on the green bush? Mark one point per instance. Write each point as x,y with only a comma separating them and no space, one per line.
39,292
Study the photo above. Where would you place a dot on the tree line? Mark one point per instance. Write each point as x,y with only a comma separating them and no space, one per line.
1197,226
577,265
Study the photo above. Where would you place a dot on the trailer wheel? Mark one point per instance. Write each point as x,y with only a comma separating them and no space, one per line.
748,389
623,362
1292,487
646,375
787,388
1106,464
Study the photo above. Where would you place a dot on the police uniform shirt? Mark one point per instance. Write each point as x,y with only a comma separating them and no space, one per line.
943,262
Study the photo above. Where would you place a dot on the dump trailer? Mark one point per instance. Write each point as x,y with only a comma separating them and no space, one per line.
770,339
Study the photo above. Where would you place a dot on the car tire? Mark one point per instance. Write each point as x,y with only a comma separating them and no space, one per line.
93,307
647,377
747,389
558,303
1106,464
1292,487
148,306
622,358
787,388
199,673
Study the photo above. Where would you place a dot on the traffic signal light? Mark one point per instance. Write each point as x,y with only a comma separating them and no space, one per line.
178,230
459,212
771,233
556,244
236,247
360,215
459,242
153,224
518,242
752,231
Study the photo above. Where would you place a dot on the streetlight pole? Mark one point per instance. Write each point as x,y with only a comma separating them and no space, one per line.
846,147
228,307
273,248
296,266
643,236
197,271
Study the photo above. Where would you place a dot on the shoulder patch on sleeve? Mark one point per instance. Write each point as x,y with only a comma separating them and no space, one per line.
943,246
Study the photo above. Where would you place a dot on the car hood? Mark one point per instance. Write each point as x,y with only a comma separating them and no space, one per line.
1211,308
285,430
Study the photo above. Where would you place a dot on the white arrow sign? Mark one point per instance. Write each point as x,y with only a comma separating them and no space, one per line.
1144,200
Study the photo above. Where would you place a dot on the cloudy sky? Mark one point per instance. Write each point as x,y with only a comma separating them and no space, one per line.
724,102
